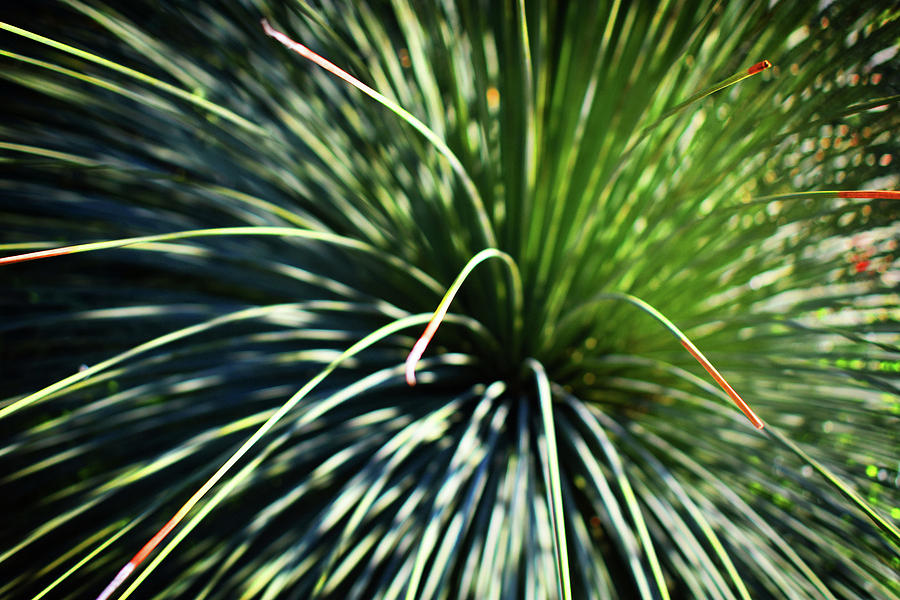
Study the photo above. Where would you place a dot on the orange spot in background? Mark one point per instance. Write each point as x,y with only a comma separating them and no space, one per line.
885,160
493,97
405,62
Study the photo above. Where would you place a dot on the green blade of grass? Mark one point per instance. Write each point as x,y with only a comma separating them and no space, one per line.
891,532
486,228
439,313
552,481
285,408
152,81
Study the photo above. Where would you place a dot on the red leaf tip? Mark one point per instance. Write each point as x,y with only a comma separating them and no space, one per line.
873,194
760,66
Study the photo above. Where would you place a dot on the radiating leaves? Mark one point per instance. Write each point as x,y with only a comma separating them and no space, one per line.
251,217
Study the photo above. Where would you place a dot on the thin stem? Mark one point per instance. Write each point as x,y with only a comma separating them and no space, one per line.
162,85
883,524
687,343
441,311
439,144
862,194
285,408
158,342
729,81
319,236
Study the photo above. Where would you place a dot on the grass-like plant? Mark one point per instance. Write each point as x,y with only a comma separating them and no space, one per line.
626,218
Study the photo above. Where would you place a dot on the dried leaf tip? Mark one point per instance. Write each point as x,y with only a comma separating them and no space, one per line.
760,66
872,194
419,348
735,397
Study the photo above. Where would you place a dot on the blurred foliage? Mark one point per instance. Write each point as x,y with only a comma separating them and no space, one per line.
185,115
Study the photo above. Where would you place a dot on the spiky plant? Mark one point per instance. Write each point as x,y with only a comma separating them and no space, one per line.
568,181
